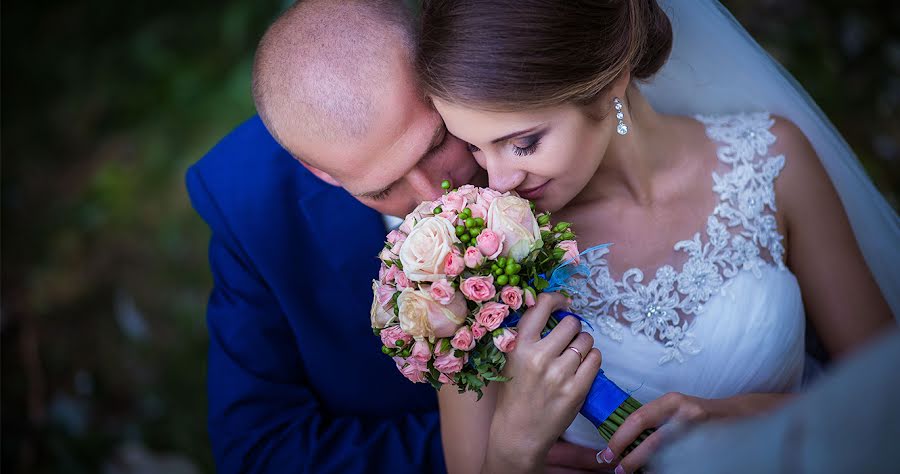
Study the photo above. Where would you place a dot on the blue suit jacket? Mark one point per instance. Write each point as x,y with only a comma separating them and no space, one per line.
296,379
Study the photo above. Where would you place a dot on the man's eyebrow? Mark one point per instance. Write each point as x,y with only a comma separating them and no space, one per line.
517,134
432,146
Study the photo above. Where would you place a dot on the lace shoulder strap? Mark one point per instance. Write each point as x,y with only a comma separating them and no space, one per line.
747,189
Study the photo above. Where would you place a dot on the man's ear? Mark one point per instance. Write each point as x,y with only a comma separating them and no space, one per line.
321,174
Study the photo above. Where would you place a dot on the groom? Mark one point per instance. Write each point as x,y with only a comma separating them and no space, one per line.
296,381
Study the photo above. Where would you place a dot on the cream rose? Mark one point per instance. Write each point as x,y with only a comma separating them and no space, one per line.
423,209
511,217
425,250
423,317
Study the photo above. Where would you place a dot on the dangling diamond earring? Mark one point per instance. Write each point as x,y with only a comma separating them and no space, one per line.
620,116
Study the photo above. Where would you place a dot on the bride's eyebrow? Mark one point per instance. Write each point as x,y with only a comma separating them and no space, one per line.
517,134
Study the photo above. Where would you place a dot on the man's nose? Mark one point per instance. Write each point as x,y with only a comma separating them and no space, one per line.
503,178
424,185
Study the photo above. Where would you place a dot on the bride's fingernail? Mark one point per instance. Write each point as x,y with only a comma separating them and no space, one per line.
606,456
620,469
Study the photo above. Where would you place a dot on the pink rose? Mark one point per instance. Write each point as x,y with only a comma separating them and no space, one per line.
422,210
479,288
490,243
512,296
529,297
423,317
506,341
390,336
491,315
421,352
379,315
387,255
468,191
473,258
411,370
442,292
463,340
449,364
444,379
453,201
401,279
571,248
487,196
454,264
478,331
451,216
479,210
384,294
395,236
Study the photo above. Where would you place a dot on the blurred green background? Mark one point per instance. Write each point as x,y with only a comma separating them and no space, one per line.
104,277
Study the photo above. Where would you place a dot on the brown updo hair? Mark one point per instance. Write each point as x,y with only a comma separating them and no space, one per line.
507,55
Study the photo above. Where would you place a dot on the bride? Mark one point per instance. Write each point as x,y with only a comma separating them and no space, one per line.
703,164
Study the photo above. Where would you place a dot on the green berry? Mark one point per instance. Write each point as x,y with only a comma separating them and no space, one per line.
502,261
445,184
385,350
465,237
497,272
543,219
479,221
502,280
460,230
437,210
470,223
400,343
567,236
474,231
510,269
514,280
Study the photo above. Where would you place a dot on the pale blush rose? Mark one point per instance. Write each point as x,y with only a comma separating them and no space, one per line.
401,279
468,191
479,210
387,255
450,364
444,379
490,243
423,317
511,217
390,272
492,315
463,340
395,236
512,296
442,291
421,352
454,263
454,201
486,196
422,210
478,288
425,250
473,258
411,369
379,315
506,341
390,336
478,331
571,249
450,216
530,298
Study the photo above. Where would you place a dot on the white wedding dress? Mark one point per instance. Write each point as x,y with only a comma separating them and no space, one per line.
723,315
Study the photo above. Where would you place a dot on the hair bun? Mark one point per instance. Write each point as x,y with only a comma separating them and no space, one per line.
657,42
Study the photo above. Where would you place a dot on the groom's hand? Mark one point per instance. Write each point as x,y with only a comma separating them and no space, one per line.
568,458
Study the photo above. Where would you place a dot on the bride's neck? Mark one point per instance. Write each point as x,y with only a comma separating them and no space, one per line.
632,163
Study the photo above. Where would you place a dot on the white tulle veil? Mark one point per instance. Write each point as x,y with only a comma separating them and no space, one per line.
716,67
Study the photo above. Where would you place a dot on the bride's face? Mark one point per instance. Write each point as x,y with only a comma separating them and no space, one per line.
546,155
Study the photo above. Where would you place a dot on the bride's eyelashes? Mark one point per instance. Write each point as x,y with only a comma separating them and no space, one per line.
522,147
526,145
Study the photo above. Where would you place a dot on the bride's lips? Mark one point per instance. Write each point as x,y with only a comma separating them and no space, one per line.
532,193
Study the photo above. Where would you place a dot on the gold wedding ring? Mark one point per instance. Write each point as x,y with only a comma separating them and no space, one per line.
580,356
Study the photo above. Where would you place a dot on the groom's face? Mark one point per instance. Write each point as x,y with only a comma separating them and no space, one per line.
404,155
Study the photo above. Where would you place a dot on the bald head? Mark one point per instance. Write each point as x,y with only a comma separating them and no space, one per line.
323,68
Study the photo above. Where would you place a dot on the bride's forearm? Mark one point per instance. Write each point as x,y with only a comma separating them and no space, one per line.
512,452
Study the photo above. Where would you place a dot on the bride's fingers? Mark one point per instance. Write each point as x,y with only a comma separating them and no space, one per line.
534,320
641,454
588,369
561,336
649,416
576,351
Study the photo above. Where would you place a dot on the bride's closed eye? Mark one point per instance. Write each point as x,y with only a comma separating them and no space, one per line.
526,145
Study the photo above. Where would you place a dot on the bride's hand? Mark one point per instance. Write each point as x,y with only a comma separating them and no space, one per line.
674,410
549,381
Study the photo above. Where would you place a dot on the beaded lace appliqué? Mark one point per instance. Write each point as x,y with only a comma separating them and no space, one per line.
741,225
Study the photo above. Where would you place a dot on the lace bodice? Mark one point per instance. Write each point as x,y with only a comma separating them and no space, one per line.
741,235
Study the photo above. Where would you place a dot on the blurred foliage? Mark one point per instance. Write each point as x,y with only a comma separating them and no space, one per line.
104,271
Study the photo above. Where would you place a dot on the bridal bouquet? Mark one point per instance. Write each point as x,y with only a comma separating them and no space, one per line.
454,279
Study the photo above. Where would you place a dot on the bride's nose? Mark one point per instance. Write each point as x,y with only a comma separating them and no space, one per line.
502,177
